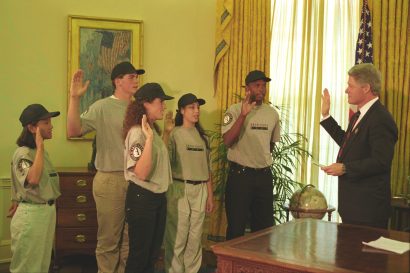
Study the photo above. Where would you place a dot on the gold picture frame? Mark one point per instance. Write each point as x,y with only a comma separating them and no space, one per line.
96,45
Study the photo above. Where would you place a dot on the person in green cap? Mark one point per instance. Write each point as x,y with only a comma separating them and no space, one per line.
190,196
147,169
35,186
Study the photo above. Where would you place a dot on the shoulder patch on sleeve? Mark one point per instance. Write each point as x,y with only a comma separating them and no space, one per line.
84,113
136,151
23,165
228,118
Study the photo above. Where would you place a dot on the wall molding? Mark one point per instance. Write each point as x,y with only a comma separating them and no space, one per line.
5,182
5,254
5,243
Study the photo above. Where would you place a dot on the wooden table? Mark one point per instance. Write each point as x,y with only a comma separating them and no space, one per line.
308,245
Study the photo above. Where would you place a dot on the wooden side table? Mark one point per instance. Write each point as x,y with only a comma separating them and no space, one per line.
76,229
329,211
400,219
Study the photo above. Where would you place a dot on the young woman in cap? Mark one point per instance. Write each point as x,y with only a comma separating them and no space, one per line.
148,172
190,196
35,186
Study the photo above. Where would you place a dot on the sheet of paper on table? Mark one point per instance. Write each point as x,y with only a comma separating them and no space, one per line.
389,245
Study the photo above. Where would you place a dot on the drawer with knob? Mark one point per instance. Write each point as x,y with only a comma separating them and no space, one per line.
77,217
76,238
75,183
76,199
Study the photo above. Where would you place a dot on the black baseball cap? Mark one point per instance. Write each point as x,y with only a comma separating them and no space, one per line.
151,90
125,68
188,99
256,75
34,113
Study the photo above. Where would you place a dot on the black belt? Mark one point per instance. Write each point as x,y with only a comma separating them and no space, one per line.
49,202
189,181
237,166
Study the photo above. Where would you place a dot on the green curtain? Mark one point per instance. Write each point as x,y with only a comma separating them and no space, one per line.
391,50
242,45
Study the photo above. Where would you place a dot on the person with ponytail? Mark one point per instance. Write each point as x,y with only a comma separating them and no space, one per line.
35,187
147,169
191,195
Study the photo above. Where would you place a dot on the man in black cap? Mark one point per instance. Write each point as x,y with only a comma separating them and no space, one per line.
106,116
249,130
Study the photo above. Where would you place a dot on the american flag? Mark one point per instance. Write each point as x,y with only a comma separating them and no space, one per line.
364,47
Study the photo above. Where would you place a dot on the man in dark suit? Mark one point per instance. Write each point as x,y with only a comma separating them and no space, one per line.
366,150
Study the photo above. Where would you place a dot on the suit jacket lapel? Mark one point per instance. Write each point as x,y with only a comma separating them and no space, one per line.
359,127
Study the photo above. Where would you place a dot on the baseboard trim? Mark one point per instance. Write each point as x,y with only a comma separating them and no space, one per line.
4,261
5,182
5,243
5,251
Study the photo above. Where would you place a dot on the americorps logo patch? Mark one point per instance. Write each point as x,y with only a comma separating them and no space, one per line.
136,151
228,118
23,165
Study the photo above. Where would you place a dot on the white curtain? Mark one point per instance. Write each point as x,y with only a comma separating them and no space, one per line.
312,48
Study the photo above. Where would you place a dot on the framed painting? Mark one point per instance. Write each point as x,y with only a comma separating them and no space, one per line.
96,45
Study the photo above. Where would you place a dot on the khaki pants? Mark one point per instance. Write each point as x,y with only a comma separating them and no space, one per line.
183,232
109,190
32,232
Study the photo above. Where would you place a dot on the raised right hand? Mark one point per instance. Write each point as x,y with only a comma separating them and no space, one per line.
169,122
39,139
325,102
78,87
146,128
247,105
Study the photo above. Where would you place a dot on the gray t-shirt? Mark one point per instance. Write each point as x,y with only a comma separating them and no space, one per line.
260,128
47,189
188,155
106,117
160,176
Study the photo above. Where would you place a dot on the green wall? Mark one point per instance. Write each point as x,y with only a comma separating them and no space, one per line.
178,51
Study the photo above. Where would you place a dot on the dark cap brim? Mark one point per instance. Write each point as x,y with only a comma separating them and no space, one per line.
166,97
140,71
201,101
266,79
189,99
50,115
